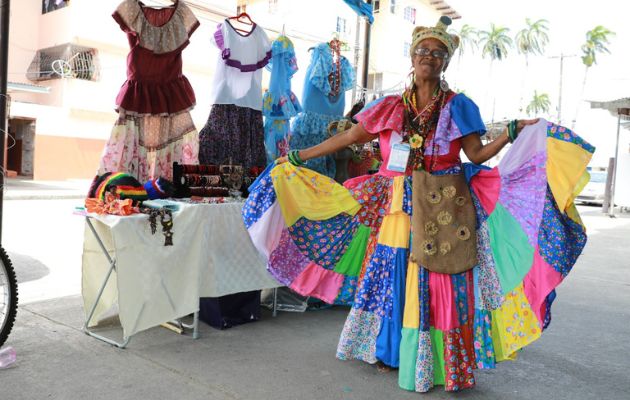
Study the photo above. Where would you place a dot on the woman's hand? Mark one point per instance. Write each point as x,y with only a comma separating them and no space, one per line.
522,123
281,160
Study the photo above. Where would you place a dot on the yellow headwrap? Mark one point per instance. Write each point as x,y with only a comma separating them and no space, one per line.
438,32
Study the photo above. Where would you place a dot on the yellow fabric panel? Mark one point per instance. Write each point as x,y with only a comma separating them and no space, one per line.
411,315
566,163
305,193
398,193
394,231
514,325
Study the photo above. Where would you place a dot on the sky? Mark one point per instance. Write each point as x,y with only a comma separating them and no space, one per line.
569,21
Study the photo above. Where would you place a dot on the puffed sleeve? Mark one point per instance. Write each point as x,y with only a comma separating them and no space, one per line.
382,114
466,116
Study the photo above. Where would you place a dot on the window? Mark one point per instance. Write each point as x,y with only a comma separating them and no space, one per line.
376,6
52,5
341,25
410,15
273,6
392,6
64,61
375,81
406,47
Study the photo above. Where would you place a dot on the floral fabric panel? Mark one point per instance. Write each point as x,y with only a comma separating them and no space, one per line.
567,135
358,337
561,239
324,242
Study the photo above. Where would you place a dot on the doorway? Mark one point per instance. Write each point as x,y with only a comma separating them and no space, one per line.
21,146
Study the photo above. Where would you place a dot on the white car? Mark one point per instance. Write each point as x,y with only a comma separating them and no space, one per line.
593,192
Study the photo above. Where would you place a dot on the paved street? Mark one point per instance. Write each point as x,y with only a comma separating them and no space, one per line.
583,355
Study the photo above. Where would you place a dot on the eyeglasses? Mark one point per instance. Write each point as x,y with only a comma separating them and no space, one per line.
423,51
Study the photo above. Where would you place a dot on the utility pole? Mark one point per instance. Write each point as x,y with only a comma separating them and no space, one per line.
4,63
366,54
561,57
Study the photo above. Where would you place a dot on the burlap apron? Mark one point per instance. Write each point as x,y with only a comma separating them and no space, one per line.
443,223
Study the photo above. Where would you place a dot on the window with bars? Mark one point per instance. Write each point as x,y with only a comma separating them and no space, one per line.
341,25
406,49
53,5
64,61
392,6
410,14
375,81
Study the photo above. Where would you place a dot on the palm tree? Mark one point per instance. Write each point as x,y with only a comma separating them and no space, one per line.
531,40
539,104
596,41
468,37
495,44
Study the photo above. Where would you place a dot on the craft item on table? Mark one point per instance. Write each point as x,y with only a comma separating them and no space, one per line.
160,188
122,185
166,220
110,204
161,203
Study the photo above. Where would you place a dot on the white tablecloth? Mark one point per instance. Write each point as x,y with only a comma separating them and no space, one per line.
212,256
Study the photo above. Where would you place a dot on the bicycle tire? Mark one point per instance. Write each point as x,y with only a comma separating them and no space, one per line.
7,321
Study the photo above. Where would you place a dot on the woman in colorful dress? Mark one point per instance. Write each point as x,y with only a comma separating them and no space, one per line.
466,279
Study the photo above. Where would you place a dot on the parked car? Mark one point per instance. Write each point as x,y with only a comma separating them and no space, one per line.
593,192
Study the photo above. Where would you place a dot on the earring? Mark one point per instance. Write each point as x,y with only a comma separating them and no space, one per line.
443,84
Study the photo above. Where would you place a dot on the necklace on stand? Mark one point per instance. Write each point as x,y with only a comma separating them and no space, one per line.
335,76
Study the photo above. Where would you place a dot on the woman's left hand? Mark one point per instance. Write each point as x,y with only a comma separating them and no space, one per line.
522,123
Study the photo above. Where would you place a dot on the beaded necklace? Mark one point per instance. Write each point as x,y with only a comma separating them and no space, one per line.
418,124
335,76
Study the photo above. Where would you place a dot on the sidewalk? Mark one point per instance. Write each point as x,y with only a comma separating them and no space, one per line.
583,354
28,189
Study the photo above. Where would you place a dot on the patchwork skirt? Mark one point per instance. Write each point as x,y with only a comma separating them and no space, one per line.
329,241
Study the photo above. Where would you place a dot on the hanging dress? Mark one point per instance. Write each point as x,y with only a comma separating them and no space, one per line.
234,130
310,127
154,127
435,328
279,102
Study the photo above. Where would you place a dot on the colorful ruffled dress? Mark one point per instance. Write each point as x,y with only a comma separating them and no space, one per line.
154,127
234,130
279,102
310,127
435,328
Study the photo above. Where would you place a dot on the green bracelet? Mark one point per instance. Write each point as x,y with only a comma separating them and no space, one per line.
294,158
512,130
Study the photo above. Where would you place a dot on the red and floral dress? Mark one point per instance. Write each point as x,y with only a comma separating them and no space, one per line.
154,127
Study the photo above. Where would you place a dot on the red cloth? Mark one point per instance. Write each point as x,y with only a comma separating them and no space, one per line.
155,84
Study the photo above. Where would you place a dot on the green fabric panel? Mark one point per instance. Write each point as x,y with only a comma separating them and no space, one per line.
437,345
350,263
513,255
408,356
496,340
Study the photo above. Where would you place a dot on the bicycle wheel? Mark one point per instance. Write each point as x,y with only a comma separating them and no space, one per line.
8,296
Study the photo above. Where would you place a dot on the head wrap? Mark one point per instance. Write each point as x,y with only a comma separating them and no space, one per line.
121,184
438,32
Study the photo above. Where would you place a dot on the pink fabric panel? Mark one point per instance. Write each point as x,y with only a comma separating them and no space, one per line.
487,185
539,282
443,312
318,282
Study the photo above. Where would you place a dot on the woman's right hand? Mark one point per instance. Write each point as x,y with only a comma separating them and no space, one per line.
281,160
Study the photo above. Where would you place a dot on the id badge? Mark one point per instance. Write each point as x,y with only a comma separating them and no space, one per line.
398,157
